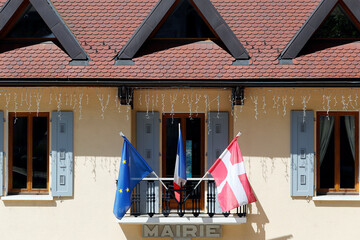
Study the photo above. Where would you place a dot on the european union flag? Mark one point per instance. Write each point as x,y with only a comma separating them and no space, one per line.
133,169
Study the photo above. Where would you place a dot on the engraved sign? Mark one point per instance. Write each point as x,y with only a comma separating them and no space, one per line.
182,231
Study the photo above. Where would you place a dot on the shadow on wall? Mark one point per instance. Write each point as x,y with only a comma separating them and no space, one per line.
254,228
268,136
343,204
30,203
133,231
283,237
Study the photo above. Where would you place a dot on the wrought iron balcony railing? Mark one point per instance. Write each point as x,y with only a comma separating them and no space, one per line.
148,199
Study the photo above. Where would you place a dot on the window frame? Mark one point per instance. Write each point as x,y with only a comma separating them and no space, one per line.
337,188
351,17
18,40
168,14
184,116
30,116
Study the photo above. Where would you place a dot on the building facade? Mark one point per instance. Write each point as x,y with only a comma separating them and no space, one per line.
74,74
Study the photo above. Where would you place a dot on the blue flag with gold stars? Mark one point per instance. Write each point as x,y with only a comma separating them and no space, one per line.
133,169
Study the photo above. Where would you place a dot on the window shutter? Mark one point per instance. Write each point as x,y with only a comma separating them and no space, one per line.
302,153
1,152
62,154
218,140
147,144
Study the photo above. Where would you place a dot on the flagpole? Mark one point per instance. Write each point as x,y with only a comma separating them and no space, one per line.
201,180
159,180
237,135
121,134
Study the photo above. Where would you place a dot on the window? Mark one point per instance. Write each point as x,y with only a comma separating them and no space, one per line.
27,29
332,24
30,26
28,152
192,130
337,152
24,24
338,25
177,23
184,22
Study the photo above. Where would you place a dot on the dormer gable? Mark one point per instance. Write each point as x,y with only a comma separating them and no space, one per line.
184,22
338,25
29,22
332,22
187,20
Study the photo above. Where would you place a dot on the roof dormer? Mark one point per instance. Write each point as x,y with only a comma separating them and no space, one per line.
29,22
181,22
334,22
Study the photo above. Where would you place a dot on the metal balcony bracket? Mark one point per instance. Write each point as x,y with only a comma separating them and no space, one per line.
238,96
126,96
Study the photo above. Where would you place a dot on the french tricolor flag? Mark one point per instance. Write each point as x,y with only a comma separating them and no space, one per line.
180,167
230,177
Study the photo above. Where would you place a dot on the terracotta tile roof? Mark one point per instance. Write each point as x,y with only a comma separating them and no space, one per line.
264,27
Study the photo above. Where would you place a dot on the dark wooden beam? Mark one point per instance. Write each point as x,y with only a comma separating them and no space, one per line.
308,29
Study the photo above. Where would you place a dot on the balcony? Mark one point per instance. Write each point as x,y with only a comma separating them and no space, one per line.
151,205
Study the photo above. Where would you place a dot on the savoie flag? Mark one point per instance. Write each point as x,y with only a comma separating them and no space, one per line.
133,169
180,167
230,177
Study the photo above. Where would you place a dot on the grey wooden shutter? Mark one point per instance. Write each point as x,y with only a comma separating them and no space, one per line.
1,152
302,153
218,140
62,154
147,144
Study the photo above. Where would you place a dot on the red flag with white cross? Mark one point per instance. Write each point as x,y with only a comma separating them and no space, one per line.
230,177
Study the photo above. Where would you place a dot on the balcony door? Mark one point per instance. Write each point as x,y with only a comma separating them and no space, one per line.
192,129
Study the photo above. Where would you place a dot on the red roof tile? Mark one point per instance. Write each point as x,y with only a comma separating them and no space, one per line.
264,27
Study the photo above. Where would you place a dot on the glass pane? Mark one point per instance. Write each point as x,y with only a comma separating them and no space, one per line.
338,25
172,131
193,152
184,22
30,25
19,168
40,146
188,155
327,157
347,152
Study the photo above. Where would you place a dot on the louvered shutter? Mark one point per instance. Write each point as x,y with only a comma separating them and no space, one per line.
218,140
302,153
62,154
147,144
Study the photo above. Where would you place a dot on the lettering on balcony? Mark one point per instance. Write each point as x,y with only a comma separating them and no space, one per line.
185,231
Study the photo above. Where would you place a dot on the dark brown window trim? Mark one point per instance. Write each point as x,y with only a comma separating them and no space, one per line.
337,188
29,188
183,117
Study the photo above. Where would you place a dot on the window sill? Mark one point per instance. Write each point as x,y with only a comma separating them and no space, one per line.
337,198
27,198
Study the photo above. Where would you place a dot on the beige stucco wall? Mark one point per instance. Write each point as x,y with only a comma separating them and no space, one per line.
97,150
265,144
